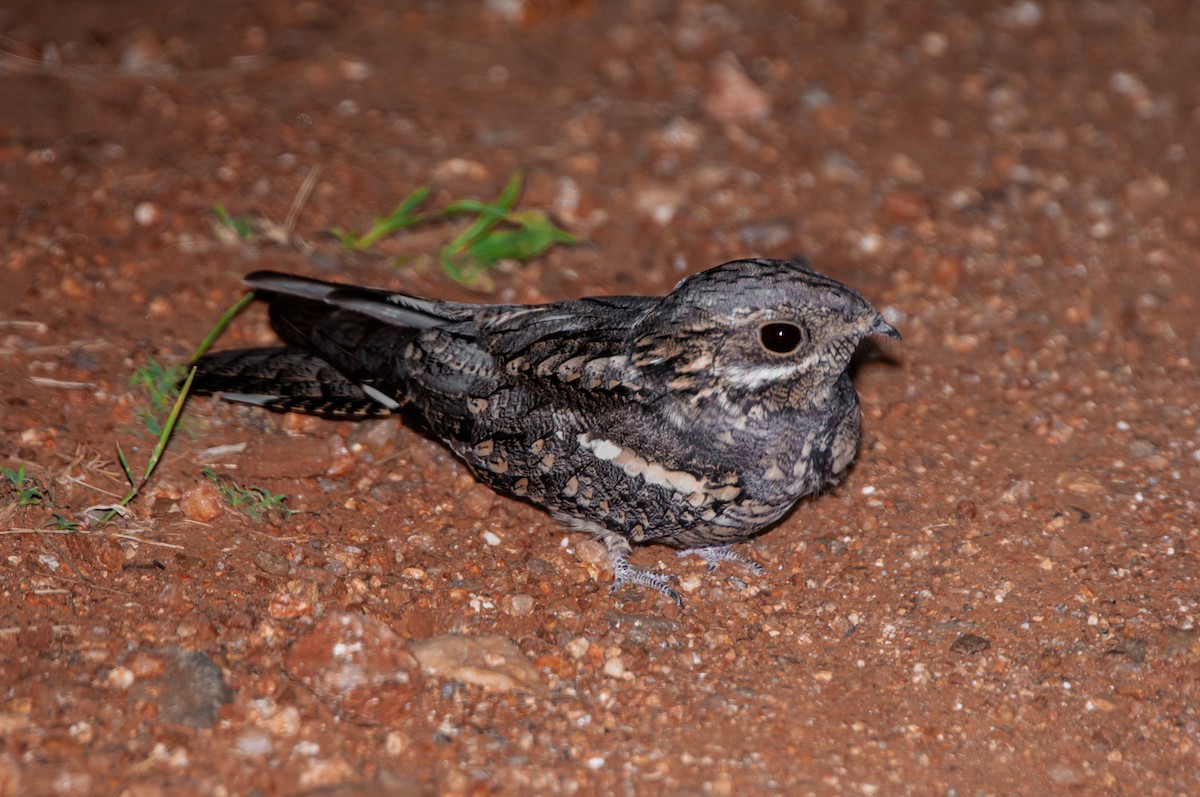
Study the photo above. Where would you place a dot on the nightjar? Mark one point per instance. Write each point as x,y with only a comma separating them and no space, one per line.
697,419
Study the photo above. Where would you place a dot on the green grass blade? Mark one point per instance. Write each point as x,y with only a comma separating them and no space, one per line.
241,226
220,326
512,190
403,216
159,448
169,426
125,466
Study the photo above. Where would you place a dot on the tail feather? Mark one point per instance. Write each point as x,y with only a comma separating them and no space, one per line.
342,346
288,380
356,330
396,309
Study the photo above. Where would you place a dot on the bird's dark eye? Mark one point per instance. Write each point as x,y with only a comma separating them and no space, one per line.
781,338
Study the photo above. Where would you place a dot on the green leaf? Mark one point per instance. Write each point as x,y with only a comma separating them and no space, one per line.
534,235
241,226
60,522
403,216
498,209
256,502
496,232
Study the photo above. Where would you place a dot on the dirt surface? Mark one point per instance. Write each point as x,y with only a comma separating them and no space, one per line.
1001,597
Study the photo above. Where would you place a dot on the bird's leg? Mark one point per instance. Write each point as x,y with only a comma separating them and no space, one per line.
625,573
724,553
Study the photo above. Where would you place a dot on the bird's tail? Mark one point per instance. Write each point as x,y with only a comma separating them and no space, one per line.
288,379
344,356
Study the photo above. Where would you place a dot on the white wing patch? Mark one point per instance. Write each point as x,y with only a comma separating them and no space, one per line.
258,399
380,396
678,481
601,449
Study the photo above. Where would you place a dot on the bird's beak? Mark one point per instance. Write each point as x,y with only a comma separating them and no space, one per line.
884,328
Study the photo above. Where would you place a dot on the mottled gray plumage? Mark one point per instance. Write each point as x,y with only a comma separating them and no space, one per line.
696,419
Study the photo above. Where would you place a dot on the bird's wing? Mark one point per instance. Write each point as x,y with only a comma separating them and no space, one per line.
579,345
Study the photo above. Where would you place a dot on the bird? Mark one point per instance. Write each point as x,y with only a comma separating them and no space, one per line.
697,419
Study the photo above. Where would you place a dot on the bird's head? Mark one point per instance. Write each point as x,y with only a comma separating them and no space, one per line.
754,332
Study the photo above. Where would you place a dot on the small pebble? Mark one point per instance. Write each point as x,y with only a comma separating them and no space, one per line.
202,502
146,664
577,648
870,243
520,604
490,661
143,52
160,307
904,205
272,563
970,643
306,748
253,742
934,44
147,214
285,723
765,235
293,600
591,551
460,167
477,500
659,203
73,288
83,732
1141,447
732,96
120,678
354,70
395,743
838,167
1061,773
189,689
71,783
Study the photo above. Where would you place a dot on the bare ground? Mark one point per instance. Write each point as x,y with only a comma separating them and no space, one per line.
1000,599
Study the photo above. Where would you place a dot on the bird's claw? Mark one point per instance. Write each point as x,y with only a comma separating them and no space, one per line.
625,573
714,554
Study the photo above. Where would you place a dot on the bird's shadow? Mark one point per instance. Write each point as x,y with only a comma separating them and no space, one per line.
872,351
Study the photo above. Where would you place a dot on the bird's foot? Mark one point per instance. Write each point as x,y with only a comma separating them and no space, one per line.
713,554
625,573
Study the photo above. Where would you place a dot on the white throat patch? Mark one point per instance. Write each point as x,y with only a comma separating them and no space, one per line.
751,376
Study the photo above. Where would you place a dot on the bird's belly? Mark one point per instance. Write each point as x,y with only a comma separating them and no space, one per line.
590,482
